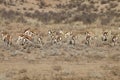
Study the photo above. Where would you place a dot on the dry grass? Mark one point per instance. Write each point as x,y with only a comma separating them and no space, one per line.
99,61
64,12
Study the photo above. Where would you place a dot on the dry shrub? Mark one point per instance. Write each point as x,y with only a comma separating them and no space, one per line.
60,6
22,71
1,1
46,17
104,1
84,12
57,68
86,7
24,77
1,57
105,21
31,9
115,57
7,14
113,5
21,19
23,1
86,18
115,71
10,15
107,17
28,14
24,8
42,4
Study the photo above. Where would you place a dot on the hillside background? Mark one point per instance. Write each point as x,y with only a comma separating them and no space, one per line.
83,12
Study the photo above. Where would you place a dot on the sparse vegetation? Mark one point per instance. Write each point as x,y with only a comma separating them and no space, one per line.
51,57
84,12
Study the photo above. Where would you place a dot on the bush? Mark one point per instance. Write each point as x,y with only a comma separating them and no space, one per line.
104,1
28,14
86,18
42,4
113,5
1,1
10,15
21,19
24,8
31,9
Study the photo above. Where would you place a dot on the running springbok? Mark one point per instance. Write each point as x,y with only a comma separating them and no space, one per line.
104,37
88,38
50,32
29,32
34,36
38,38
6,38
114,39
67,34
24,39
51,35
55,36
55,39
21,39
72,40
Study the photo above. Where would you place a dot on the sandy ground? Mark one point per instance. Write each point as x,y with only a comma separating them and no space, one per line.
99,61
64,62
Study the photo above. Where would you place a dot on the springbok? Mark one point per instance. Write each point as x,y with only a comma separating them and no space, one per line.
6,38
68,34
72,40
50,32
55,39
38,39
29,32
88,38
23,39
51,36
104,37
55,36
114,39
61,32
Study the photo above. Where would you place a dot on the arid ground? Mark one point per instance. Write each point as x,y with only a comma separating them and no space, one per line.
99,61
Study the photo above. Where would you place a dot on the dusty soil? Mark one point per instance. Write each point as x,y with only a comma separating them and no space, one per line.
60,61
99,61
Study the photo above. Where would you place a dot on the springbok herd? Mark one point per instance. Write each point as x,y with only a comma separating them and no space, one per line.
30,36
